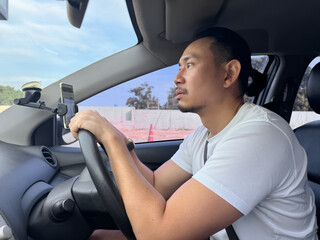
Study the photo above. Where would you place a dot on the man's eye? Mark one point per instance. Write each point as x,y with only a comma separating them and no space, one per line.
189,65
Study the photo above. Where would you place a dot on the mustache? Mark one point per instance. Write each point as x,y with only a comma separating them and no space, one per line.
181,90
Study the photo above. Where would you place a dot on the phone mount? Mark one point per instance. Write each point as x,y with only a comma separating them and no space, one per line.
32,95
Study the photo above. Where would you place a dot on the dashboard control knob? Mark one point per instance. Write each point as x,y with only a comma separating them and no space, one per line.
5,232
63,209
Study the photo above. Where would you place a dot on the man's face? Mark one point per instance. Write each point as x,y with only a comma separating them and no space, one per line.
199,81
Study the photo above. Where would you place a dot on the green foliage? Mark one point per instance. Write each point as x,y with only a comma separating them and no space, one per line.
301,102
143,97
171,103
259,63
8,94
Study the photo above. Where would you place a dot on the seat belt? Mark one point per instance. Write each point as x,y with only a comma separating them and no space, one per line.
230,230
231,233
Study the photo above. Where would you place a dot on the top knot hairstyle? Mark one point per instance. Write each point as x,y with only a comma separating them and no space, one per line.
228,45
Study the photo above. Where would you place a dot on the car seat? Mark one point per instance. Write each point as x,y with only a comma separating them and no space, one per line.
309,136
258,83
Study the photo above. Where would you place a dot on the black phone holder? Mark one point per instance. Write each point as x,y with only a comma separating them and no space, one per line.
31,97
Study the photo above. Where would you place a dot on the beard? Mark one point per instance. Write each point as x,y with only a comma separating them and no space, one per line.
193,109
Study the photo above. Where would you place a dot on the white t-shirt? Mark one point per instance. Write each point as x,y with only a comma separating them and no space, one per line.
257,165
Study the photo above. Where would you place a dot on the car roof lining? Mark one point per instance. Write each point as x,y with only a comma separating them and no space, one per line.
265,35
182,23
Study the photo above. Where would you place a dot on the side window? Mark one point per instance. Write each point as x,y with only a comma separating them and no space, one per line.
259,63
145,108
302,113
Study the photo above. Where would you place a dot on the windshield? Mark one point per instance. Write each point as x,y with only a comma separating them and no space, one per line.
37,42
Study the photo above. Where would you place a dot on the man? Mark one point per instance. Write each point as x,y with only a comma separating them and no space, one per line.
244,166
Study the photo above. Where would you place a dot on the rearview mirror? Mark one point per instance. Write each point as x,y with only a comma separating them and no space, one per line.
76,10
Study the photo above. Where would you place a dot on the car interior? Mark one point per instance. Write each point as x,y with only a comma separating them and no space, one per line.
51,191
308,133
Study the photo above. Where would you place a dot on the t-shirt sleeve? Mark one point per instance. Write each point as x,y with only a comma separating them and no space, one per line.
247,165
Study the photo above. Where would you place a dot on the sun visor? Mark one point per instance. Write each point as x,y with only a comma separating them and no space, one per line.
182,23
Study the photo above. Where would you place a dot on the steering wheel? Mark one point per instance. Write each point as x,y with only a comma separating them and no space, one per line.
102,180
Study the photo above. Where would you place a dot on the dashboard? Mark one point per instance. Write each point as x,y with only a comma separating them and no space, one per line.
27,174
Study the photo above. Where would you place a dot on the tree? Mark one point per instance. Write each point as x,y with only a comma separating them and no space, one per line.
171,103
143,97
301,103
8,94
259,63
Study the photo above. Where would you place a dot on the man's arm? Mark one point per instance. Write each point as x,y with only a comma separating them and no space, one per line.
169,177
166,179
192,212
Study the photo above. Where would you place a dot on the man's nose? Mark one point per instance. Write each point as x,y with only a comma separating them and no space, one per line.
179,79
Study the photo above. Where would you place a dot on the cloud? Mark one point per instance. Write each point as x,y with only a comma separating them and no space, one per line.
31,10
32,21
18,81
17,52
108,12
38,38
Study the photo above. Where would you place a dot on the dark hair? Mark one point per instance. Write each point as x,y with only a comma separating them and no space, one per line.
228,45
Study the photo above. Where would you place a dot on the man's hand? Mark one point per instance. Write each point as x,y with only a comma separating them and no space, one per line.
102,234
98,125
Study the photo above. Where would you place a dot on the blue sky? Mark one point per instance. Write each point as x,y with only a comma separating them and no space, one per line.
161,80
38,43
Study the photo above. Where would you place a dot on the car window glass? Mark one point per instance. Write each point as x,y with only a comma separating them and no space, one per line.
259,63
302,113
38,43
145,108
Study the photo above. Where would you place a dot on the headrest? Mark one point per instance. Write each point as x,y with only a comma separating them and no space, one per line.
259,82
313,89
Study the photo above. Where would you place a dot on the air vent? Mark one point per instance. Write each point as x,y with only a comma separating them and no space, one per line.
48,156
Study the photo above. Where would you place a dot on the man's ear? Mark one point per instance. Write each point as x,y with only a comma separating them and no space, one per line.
233,70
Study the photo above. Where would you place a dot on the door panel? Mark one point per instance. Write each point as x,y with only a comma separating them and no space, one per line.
152,154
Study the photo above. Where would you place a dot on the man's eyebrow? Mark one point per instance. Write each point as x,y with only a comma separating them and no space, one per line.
186,58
